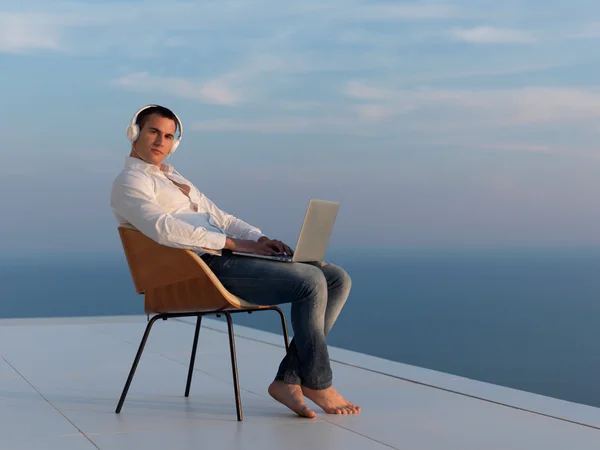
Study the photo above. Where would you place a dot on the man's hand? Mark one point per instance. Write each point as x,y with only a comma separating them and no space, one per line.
278,246
248,246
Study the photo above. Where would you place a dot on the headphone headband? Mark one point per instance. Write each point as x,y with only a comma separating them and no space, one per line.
133,130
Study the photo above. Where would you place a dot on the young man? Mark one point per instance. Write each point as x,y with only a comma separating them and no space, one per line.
159,202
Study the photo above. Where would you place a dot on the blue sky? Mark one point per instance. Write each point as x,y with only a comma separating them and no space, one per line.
463,124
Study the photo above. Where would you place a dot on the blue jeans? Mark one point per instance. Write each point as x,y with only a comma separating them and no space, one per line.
317,292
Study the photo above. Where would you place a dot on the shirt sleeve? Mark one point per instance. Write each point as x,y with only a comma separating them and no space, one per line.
133,199
232,224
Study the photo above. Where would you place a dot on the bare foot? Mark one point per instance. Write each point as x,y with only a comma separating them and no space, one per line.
331,401
291,396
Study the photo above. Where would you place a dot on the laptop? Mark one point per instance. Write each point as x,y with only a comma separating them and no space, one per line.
314,234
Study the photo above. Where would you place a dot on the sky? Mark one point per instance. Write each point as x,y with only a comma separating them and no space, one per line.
463,124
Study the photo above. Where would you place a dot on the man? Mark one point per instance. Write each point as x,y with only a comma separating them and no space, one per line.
162,204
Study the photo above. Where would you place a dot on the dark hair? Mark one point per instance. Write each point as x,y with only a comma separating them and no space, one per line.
161,111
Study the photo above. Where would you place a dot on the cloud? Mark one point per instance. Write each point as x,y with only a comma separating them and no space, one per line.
293,105
273,125
45,27
492,35
248,81
359,90
373,112
509,146
551,105
587,31
20,32
395,12
434,113
214,92
516,67
518,106
98,27
325,65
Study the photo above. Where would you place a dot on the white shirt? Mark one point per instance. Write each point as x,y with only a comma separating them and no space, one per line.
144,197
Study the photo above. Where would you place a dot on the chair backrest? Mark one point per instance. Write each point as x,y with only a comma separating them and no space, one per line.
173,279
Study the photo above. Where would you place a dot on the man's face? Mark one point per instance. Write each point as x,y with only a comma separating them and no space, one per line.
156,139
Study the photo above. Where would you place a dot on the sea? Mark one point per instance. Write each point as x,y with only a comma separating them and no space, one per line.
525,319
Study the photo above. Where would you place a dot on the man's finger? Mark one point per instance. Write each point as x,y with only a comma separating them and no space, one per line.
276,245
272,245
267,250
285,249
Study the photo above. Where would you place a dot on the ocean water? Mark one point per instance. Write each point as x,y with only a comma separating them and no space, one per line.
526,320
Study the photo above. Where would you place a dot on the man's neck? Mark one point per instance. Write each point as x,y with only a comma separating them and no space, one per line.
163,167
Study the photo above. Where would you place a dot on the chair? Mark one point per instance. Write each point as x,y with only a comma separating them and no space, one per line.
178,283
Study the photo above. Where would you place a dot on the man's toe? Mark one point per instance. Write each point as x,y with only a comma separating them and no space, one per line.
307,412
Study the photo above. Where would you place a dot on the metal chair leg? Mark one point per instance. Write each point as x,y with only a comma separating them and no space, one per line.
137,360
193,357
236,386
283,327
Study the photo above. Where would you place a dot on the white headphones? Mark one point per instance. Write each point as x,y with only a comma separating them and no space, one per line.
133,130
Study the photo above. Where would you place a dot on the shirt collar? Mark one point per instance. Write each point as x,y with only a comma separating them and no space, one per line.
136,163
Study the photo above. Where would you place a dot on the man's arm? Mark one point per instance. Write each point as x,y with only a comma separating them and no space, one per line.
230,223
133,199
247,232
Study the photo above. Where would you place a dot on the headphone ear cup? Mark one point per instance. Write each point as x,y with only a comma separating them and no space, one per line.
175,145
133,132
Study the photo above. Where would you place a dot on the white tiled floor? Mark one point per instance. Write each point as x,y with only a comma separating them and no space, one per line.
60,380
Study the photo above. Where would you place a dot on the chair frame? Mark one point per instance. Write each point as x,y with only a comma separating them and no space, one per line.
232,351
177,283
